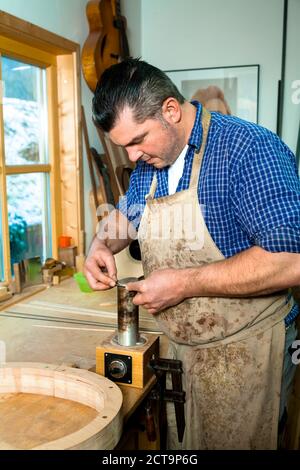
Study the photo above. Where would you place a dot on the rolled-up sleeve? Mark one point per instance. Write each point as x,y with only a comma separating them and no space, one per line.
267,195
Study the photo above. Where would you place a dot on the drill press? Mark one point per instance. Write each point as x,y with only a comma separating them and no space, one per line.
124,357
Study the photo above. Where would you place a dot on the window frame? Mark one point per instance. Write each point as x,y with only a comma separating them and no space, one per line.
60,58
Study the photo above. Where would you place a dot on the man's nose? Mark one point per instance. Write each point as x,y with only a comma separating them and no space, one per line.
134,154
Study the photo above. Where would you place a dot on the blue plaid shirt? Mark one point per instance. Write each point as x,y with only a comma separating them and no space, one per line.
248,185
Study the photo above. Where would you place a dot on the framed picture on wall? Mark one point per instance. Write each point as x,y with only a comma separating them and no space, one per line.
239,84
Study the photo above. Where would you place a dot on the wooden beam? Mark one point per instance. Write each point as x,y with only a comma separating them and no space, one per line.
23,52
20,169
54,158
3,208
61,59
28,33
70,151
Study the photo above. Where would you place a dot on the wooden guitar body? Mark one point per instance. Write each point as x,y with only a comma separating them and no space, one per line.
106,45
102,47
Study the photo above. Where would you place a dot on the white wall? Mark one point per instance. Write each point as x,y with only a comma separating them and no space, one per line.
291,108
131,9
67,18
184,34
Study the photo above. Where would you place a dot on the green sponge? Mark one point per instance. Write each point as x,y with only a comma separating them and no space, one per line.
82,282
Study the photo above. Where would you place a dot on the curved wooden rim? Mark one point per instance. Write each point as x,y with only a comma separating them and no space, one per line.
78,385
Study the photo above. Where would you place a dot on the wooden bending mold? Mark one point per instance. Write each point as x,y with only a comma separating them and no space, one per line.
81,386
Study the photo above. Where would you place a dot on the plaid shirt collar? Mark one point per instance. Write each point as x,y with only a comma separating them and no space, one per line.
196,134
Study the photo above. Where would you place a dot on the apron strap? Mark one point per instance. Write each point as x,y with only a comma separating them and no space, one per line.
153,187
206,117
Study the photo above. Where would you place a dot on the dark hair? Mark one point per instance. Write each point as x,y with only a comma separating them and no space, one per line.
133,83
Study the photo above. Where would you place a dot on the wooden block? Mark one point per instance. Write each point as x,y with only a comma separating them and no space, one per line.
11,286
4,293
27,272
6,296
53,270
140,356
80,260
19,278
56,280
4,284
62,275
68,255
48,274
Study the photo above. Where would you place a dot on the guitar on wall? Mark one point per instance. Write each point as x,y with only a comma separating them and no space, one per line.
107,42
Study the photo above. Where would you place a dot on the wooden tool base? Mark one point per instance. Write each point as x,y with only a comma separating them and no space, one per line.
127,365
6,296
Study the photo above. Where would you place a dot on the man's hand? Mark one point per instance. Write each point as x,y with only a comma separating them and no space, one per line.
162,288
100,268
113,236
252,273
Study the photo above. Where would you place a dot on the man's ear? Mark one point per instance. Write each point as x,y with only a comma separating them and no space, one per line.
171,110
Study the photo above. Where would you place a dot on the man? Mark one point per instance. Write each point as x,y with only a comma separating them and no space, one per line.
220,242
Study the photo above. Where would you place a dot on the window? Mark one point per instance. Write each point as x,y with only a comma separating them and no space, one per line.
25,123
40,143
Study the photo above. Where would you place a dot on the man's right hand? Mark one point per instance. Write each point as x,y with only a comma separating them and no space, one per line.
100,267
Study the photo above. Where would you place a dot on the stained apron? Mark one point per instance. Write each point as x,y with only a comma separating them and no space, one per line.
231,348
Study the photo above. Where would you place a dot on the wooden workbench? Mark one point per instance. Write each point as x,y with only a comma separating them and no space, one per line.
62,325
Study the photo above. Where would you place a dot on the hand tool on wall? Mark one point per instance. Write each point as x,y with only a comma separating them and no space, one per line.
97,200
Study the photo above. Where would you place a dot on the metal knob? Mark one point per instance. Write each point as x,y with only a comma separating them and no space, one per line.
117,369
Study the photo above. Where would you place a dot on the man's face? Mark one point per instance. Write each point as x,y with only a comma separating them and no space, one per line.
154,141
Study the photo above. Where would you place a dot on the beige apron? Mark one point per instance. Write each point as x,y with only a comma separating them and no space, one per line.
231,348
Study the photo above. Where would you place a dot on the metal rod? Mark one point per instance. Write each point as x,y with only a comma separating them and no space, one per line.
282,80
128,315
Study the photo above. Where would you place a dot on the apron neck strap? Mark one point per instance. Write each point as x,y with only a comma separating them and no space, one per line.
152,188
205,121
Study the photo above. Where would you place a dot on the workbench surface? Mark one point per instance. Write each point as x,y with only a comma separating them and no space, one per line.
62,325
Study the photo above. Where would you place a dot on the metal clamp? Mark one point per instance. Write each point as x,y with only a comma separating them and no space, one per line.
159,393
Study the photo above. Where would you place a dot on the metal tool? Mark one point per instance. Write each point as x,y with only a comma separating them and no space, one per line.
128,314
124,357
122,283
118,284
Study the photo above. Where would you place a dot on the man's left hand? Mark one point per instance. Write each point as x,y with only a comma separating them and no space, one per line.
162,289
